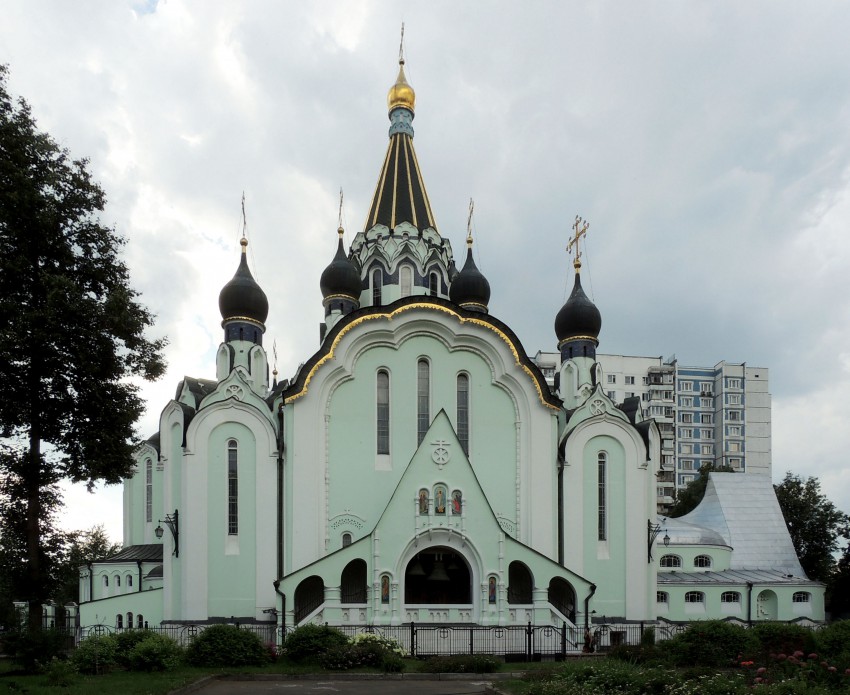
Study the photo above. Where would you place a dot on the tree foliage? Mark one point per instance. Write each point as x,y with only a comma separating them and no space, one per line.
71,329
688,498
815,524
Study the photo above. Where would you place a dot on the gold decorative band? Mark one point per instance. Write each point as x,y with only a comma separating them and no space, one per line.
246,319
589,338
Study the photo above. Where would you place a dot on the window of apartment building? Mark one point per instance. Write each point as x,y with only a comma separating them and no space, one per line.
686,433
733,446
686,464
733,398
686,385
612,395
735,463
707,449
733,383
686,479
686,417
630,394
668,412
686,448
686,401
706,388
667,460
706,418
667,395
733,415
644,396
630,380
707,434
612,378
656,410
645,380
706,401
733,430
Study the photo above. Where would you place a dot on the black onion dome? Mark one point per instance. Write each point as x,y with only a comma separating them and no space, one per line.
578,318
242,297
341,276
469,286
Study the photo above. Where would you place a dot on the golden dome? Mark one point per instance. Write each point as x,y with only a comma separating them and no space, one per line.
401,94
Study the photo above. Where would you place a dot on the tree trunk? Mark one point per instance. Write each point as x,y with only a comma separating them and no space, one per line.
32,481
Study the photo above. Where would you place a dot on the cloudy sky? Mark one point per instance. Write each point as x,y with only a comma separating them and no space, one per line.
708,144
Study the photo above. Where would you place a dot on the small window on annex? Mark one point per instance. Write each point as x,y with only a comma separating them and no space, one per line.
694,597
602,510
346,540
406,280
801,597
128,580
730,597
119,621
232,489
671,561
702,561
662,597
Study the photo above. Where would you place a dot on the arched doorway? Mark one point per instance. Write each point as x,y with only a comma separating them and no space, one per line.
353,582
563,597
766,606
437,576
309,595
520,583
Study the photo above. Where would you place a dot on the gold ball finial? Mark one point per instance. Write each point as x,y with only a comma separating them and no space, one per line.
401,94
243,242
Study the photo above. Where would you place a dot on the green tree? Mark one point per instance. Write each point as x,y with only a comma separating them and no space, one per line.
815,524
71,329
82,548
688,498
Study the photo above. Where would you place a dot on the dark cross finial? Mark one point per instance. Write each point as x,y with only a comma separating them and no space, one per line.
469,223
274,352
580,228
244,218
340,207
401,46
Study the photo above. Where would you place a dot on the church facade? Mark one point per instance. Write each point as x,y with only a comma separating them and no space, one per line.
417,468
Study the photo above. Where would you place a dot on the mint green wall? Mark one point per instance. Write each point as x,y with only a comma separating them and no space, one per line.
783,608
174,464
356,485
231,577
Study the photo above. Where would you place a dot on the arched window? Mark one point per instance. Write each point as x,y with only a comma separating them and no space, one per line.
801,597
730,597
232,489
671,561
129,580
694,597
423,399
661,597
119,621
520,583
148,490
346,540
702,561
377,283
383,412
117,580
433,284
406,280
463,412
129,620
105,581
602,494
140,621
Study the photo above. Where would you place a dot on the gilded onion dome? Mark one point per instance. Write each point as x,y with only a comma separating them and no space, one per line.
341,278
470,288
578,319
401,94
242,299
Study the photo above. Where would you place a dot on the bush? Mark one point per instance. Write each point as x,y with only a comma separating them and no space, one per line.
125,642
647,637
834,641
226,645
60,674
96,654
472,663
155,653
787,638
309,642
709,643
392,663
32,651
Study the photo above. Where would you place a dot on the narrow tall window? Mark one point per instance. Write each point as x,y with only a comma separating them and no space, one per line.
383,412
232,489
148,490
377,282
601,472
406,280
423,397
433,284
463,412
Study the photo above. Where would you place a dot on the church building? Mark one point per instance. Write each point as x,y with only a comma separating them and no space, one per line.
417,468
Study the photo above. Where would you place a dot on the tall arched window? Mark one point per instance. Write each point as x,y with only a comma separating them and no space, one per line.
119,621
148,490
433,284
377,283
463,412
406,280
601,475
232,489
383,412
423,399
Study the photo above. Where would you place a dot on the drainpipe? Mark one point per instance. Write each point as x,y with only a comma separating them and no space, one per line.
280,490
139,563
560,510
282,609
749,604
91,581
586,606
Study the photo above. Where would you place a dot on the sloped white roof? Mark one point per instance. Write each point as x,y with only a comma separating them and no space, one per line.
744,510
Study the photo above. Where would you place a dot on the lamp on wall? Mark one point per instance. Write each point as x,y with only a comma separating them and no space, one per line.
172,521
652,531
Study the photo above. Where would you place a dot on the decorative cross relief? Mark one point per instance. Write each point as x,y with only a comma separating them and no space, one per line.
235,391
597,407
440,455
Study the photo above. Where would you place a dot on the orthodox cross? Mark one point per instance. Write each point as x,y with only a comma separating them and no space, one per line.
580,228
340,207
401,46
244,219
469,222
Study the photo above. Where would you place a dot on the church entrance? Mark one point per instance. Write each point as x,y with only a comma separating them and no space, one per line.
437,576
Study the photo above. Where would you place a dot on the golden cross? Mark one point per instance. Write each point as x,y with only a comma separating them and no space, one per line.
580,228
401,46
